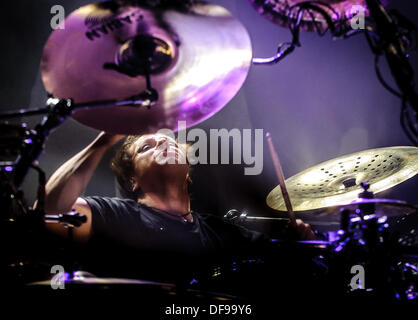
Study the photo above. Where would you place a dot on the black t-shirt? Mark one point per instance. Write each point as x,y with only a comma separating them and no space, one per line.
140,227
132,240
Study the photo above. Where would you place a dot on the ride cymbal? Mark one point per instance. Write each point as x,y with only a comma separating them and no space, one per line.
337,181
199,60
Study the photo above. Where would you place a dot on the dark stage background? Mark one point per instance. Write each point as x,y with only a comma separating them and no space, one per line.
321,102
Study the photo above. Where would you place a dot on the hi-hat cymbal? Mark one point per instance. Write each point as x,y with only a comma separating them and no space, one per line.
278,11
337,181
206,56
381,207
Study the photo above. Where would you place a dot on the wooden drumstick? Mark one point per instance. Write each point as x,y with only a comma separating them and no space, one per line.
280,176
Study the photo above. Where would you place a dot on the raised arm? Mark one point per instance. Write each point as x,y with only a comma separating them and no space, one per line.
65,186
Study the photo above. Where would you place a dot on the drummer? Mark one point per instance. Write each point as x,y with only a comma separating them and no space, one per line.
157,215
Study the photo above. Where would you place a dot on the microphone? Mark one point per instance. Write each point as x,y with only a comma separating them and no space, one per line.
69,219
234,216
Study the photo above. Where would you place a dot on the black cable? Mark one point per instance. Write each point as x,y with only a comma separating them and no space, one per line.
311,7
294,23
376,50
41,189
405,115
406,28
340,29
410,122
377,44
382,81
317,25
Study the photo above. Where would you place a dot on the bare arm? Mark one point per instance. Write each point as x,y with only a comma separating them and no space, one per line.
67,183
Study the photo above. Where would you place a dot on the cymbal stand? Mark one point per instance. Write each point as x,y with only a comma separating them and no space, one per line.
58,110
14,173
364,240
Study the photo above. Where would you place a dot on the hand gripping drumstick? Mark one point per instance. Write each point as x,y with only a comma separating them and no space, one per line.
280,176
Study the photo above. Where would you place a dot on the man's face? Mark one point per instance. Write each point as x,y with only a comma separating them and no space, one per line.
156,155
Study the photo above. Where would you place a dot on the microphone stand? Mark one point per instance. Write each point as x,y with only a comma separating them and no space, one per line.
58,110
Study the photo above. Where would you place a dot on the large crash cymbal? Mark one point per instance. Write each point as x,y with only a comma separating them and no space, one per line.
337,181
280,12
207,56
